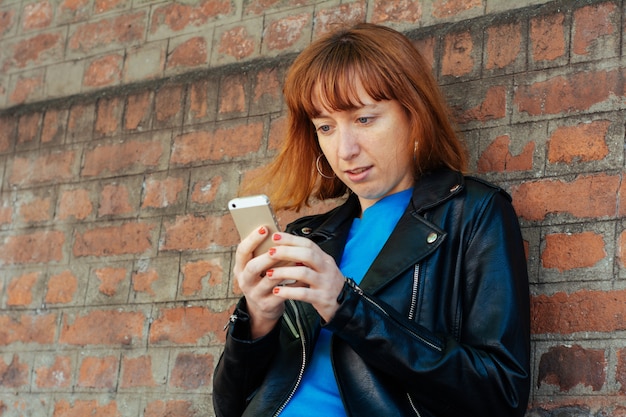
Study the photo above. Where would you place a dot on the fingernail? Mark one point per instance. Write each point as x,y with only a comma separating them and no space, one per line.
262,230
276,290
269,272
276,236
299,264
272,251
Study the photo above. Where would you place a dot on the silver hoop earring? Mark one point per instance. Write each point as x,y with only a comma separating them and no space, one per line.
317,165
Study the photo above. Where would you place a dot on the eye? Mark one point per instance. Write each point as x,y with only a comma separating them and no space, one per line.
364,120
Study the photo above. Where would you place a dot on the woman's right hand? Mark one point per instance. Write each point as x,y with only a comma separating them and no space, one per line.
264,308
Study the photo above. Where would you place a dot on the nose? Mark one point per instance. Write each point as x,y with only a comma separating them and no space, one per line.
348,143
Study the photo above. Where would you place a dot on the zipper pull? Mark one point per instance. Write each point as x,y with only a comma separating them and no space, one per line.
231,320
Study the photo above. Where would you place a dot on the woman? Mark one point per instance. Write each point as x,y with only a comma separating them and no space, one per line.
411,298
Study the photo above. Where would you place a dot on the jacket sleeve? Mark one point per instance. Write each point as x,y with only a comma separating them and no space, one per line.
483,370
242,365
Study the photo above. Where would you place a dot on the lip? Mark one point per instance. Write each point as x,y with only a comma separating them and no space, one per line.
358,174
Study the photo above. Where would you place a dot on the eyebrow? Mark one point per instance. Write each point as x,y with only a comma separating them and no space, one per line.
372,106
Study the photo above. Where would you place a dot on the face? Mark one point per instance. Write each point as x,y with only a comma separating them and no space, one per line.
369,147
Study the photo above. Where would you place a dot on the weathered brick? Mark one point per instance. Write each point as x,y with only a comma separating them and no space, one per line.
233,95
61,288
122,30
117,158
396,11
177,17
187,325
224,143
204,192
498,158
192,371
492,107
28,128
98,372
54,126
547,37
145,62
37,15
57,375
197,274
57,166
162,193
503,46
195,232
137,372
287,33
444,9
20,289
37,49
581,143
236,42
114,200
104,71
142,281
28,87
8,132
103,327
74,203
348,14
168,106
569,366
27,328
129,238
589,196
103,6
565,251
138,111
458,59
110,279
192,53
14,374
596,31
8,18
80,123
178,408
34,247
267,95
36,209
202,101
108,116
581,311
81,408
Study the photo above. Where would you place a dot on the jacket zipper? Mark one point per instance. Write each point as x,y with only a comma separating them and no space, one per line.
302,338
417,413
416,281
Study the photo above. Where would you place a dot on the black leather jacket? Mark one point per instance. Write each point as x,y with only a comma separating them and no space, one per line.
439,326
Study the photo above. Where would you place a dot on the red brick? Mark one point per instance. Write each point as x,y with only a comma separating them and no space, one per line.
114,200
103,6
284,33
191,53
562,94
110,279
162,193
7,21
582,311
138,110
20,289
178,16
493,107
443,9
504,44
589,196
547,37
58,166
194,233
426,47
168,104
37,15
81,122
101,327
498,158
37,49
178,408
570,251
58,375
28,87
39,328
192,371
457,56
621,370
260,6
267,90
6,215
35,247
204,192
125,29
223,143
117,157
129,238
142,281
237,43
137,372
108,116
36,210
569,366
349,14
14,374
232,95
590,24
53,126
201,106
82,408
397,11
73,10
187,325
580,143
104,71
74,203
195,273
98,372
28,128
8,131
61,288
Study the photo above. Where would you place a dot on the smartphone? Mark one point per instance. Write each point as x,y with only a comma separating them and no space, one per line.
252,212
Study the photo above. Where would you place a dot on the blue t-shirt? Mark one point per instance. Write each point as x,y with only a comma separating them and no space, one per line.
318,394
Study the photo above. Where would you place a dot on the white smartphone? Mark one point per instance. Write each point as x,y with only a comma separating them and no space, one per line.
252,212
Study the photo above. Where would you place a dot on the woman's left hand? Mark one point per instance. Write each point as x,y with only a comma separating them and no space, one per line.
318,279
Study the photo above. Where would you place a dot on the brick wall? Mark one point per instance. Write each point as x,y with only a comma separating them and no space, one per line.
125,127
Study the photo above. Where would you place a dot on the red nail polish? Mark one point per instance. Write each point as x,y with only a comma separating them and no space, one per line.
272,251
276,236
276,290
262,231
269,272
